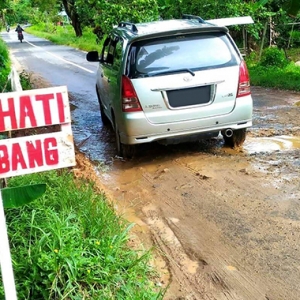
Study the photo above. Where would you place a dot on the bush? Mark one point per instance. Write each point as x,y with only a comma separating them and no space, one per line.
252,59
4,67
295,38
273,57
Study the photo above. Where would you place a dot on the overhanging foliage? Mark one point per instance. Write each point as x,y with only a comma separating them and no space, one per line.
18,196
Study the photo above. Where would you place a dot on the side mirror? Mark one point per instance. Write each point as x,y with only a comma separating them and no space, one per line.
92,56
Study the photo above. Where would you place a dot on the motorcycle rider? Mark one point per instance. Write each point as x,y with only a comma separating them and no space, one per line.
19,30
7,28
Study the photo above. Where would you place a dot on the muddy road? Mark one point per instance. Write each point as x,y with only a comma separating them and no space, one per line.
224,223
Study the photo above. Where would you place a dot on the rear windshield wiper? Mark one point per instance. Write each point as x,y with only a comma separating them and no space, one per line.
173,72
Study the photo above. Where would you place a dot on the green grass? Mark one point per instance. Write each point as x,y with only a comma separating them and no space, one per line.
25,81
287,78
70,244
271,71
64,35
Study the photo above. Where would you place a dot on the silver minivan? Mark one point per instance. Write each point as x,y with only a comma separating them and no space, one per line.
171,80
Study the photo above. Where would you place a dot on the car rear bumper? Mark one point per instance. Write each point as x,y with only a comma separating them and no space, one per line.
139,130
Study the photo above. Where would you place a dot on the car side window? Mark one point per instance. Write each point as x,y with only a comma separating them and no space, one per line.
118,54
112,52
108,51
105,49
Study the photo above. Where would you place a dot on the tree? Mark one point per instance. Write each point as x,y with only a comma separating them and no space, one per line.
71,10
52,7
5,11
111,12
292,7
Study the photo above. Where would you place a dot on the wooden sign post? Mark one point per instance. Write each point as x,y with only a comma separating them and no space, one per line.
34,153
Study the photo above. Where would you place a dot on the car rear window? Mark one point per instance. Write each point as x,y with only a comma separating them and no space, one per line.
194,52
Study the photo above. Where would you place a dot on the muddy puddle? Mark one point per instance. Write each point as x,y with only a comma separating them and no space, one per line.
271,144
276,155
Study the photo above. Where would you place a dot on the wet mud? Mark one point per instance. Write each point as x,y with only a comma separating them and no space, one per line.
224,223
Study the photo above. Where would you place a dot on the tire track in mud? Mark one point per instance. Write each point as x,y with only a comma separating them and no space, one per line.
180,266
241,200
207,214
215,274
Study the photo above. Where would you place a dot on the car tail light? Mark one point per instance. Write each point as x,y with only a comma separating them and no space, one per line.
244,81
130,100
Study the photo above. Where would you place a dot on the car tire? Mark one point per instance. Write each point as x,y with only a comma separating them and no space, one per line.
125,151
237,139
128,151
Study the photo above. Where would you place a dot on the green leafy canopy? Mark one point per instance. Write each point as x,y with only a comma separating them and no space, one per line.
291,6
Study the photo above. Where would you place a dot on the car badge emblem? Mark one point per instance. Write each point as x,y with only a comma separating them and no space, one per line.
187,79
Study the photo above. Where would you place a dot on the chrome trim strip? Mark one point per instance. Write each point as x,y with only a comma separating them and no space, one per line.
186,87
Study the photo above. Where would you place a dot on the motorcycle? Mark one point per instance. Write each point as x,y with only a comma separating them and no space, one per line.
20,36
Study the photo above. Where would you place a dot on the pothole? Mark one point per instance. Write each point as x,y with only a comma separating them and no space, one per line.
271,144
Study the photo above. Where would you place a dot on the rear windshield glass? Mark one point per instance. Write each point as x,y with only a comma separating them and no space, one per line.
194,52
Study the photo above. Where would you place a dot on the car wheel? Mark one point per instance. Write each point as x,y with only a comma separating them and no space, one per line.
129,151
126,151
237,139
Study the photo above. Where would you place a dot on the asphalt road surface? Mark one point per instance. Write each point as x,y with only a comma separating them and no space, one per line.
53,65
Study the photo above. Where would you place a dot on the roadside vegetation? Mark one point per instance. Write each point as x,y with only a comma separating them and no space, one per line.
64,35
4,68
275,69
70,244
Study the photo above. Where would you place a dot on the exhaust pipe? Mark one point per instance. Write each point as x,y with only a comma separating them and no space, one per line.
228,132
